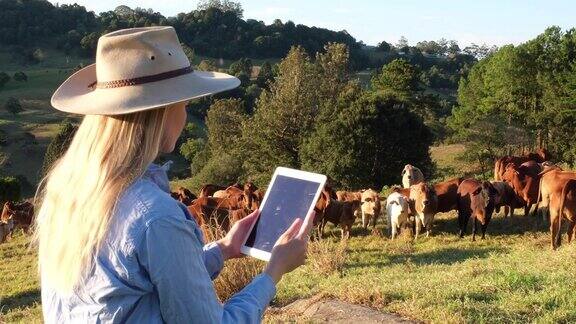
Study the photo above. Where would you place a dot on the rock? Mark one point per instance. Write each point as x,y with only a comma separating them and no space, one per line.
317,310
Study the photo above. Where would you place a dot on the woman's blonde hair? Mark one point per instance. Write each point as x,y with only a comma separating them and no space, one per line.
79,193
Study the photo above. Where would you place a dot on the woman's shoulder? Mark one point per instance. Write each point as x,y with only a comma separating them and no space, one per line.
139,206
148,201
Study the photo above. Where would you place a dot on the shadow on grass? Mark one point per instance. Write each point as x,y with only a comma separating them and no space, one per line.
517,224
447,256
22,299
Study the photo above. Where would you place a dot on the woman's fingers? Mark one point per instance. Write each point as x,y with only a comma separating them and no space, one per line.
292,231
251,218
305,229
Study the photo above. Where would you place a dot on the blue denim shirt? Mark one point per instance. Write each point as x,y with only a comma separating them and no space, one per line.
152,268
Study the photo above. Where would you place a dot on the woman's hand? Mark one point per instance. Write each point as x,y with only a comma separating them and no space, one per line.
289,252
231,243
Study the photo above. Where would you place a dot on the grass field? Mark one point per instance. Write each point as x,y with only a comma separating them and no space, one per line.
512,276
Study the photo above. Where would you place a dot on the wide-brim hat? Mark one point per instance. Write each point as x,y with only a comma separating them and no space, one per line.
137,69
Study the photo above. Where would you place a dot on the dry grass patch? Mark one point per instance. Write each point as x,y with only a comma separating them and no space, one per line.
326,256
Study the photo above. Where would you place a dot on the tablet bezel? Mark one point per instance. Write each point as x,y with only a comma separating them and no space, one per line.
292,173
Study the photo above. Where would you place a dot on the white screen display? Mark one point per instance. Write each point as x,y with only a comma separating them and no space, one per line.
288,199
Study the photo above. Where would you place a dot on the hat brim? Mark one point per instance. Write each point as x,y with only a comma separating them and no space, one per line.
75,95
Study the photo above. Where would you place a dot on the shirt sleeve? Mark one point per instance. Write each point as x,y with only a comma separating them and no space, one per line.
213,259
178,268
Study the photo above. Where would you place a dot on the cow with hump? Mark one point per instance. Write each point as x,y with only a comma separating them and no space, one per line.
397,209
411,175
370,206
425,204
476,202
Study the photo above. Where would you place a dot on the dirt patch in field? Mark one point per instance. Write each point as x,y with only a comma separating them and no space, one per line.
327,310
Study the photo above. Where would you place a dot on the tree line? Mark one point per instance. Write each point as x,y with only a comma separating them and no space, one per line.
519,98
215,29
313,115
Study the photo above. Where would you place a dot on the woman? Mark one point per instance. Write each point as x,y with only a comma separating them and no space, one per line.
113,245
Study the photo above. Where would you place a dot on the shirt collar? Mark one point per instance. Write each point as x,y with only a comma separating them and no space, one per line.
158,174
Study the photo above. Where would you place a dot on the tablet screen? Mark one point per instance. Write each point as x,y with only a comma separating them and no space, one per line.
289,198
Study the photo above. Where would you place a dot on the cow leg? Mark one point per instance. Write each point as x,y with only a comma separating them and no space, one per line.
394,229
527,209
462,223
570,230
418,226
474,229
364,221
345,232
374,221
555,231
390,225
483,228
507,211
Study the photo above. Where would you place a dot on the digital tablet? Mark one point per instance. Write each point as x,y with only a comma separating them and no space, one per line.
291,194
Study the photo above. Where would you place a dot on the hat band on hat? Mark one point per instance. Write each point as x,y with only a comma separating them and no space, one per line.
141,80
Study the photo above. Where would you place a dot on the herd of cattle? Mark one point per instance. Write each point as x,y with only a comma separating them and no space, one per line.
519,182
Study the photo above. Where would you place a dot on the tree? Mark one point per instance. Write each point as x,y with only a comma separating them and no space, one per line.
265,75
242,66
365,145
223,5
398,77
191,148
13,106
4,78
188,51
89,43
383,46
38,55
282,119
207,65
10,190
220,160
402,43
58,145
20,76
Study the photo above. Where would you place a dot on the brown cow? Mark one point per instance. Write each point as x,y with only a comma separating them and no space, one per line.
565,208
525,180
6,230
22,214
505,197
476,201
425,203
370,207
447,193
348,195
339,213
183,195
209,190
551,183
541,155
249,186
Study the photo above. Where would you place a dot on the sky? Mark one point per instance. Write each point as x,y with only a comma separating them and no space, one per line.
493,22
